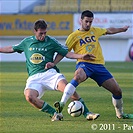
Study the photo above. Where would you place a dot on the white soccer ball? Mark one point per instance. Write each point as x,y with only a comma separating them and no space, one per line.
75,108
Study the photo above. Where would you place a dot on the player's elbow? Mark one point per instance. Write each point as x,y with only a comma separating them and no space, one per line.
69,55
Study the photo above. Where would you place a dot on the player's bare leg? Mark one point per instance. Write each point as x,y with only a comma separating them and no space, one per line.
32,97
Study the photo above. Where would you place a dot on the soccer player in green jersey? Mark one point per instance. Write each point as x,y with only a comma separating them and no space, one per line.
39,50
85,40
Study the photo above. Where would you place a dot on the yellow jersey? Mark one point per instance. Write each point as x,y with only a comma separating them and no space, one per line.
83,42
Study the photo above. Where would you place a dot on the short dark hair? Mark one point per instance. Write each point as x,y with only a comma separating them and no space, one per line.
40,24
87,13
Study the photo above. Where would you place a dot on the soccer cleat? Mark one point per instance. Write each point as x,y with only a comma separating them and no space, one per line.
125,116
57,117
59,106
92,116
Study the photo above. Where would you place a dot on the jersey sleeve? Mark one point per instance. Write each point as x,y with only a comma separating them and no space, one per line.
100,31
19,47
60,49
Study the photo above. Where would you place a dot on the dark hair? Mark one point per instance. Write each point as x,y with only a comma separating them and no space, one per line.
87,13
40,24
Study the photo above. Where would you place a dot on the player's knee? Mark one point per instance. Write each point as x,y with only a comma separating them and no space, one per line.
80,75
29,98
77,78
118,92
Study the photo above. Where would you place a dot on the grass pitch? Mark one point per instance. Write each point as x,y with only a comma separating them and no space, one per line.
18,116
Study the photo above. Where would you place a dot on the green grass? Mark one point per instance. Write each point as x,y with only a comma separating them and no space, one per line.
17,115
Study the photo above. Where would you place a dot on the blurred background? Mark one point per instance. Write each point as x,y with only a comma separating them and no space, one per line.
63,17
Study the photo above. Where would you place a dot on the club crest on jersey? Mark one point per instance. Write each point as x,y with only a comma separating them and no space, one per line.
90,47
37,58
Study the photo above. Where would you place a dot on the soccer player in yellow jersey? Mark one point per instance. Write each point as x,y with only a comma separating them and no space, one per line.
85,40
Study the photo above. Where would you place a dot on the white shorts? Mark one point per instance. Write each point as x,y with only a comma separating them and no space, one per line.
44,81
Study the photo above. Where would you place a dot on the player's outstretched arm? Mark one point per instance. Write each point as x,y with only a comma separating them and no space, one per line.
113,30
7,49
69,55
72,55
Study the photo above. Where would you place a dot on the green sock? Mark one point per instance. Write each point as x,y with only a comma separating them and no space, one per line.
48,109
86,110
127,116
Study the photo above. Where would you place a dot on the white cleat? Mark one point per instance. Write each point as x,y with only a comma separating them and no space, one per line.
92,116
57,117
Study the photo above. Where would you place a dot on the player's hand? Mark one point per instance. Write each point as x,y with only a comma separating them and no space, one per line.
49,65
88,57
125,28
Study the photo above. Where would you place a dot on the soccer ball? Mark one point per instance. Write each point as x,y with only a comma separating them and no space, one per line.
75,108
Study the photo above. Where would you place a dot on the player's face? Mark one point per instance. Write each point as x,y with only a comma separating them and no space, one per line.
86,23
40,34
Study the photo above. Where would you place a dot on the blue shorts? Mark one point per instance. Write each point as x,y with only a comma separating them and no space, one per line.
97,72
